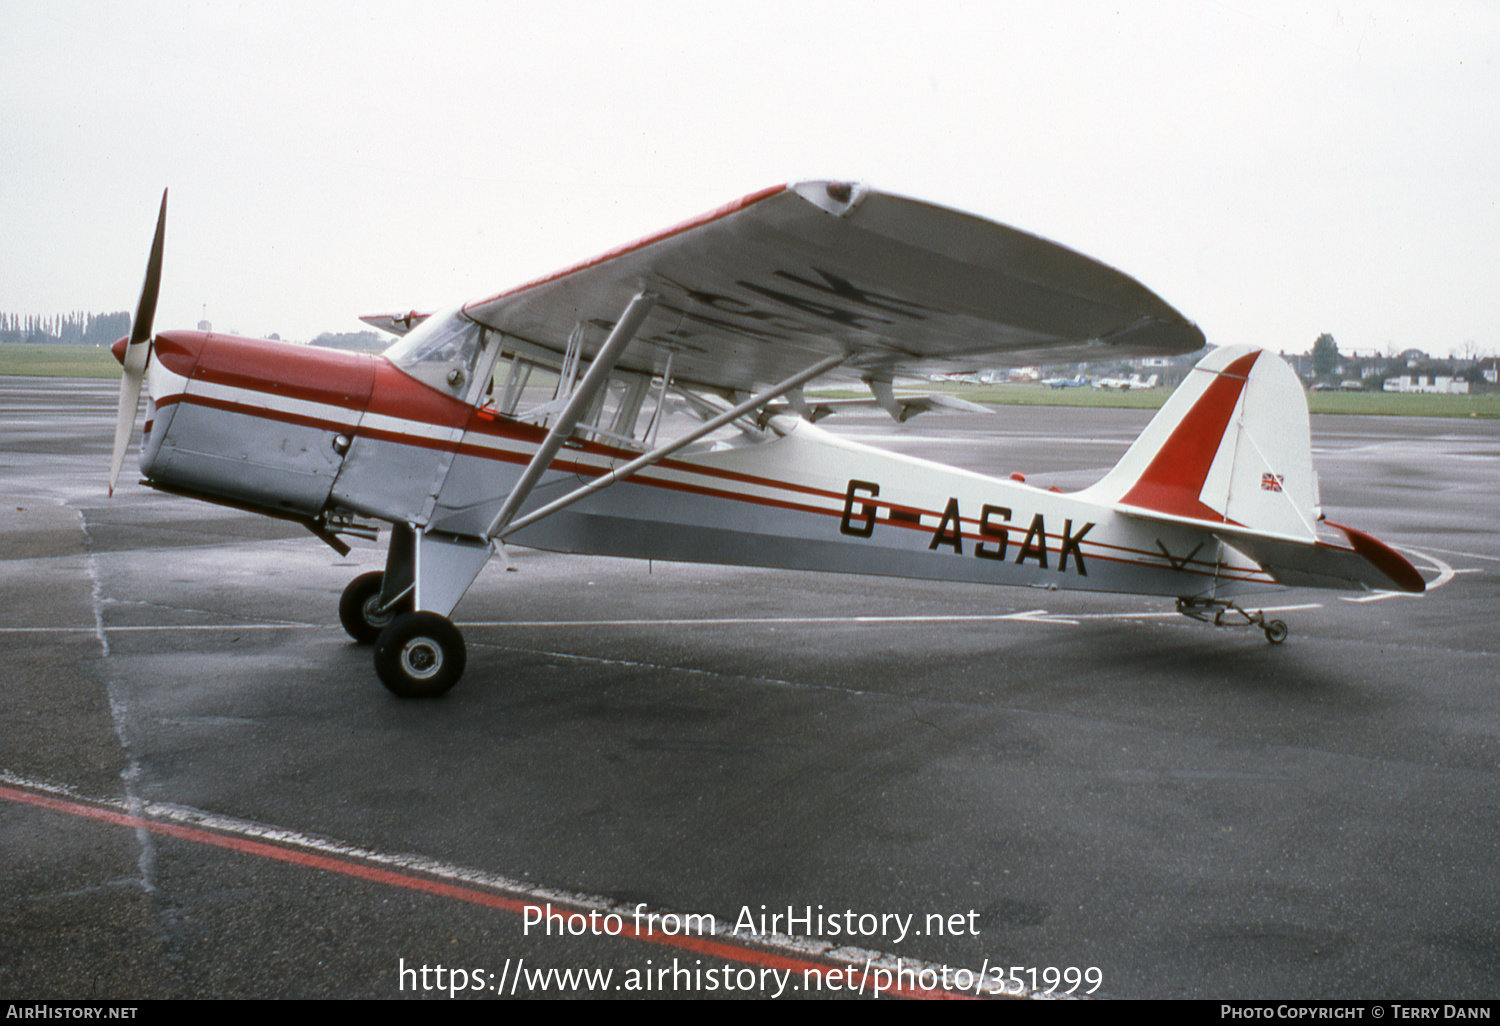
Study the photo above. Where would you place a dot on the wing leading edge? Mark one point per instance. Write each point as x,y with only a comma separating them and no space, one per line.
760,288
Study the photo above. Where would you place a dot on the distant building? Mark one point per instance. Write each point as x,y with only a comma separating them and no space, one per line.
1440,384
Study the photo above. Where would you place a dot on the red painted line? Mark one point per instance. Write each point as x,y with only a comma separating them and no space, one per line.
406,881
246,846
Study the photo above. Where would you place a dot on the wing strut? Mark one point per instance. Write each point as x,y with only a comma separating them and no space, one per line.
609,354
886,398
655,455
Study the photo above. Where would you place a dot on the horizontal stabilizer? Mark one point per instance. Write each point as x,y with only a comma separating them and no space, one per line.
1368,563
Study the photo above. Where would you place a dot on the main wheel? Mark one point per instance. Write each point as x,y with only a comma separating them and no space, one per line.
359,608
420,655
1276,632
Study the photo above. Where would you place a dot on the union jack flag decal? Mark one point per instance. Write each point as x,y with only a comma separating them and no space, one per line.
1270,482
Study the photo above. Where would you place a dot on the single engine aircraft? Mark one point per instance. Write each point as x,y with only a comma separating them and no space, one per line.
651,403
1122,384
1077,381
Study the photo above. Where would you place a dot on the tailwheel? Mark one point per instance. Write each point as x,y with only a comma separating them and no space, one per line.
360,608
420,655
1221,613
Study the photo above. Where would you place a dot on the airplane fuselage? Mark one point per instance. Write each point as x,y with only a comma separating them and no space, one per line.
301,432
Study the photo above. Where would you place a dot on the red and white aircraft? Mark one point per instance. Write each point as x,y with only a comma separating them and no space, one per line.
649,403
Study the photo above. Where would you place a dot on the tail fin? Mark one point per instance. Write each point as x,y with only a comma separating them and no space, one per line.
1231,450
1231,446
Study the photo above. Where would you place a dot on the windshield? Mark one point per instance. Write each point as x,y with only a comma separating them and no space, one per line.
441,351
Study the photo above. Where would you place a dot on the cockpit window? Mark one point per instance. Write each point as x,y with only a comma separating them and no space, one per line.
442,352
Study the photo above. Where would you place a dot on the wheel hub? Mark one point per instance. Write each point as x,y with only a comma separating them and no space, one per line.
422,658
372,612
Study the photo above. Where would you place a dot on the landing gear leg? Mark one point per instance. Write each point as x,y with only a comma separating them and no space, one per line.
1221,613
418,651
373,600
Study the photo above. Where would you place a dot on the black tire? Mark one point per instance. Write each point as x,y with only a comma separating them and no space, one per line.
358,604
1276,632
420,655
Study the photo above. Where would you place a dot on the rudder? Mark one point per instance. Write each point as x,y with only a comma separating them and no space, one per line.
1231,446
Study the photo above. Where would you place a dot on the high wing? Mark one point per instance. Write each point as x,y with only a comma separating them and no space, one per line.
768,285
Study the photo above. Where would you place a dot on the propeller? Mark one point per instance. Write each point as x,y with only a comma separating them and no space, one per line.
138,349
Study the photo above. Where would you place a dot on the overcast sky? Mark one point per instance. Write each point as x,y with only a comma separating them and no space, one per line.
1272,170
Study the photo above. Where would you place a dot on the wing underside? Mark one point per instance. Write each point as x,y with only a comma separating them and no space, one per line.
763,287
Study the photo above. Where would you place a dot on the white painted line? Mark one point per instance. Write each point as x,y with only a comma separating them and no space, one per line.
730,621
1466,555
1026,616
789,945
1445,574
168,627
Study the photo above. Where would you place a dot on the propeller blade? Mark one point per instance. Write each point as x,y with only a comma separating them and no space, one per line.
138,349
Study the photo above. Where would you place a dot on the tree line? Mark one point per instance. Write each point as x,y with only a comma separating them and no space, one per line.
74,329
